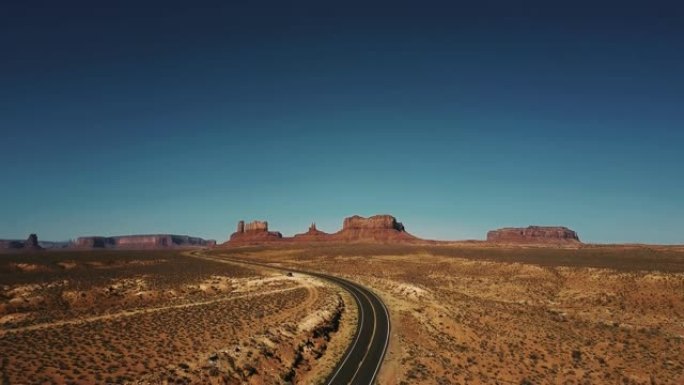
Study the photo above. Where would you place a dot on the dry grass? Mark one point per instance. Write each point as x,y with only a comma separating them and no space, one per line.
163,317
472,314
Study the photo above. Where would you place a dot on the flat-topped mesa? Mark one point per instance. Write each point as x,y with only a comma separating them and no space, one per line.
142,241
378,228
386,222
253,233
95,242
254,226
533,235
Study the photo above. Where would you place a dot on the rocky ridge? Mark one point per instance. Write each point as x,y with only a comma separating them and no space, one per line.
255,232
378,228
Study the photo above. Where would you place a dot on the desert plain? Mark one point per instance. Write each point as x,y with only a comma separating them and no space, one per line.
507,314
461,313
164,317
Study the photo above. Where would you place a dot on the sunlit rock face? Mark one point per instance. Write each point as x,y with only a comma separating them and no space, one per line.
378,228
375,229
255,232
385,222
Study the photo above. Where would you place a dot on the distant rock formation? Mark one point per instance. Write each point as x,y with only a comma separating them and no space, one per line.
53,245
95,242
533,234
256,226
9,244
384,222
312,235
255,232
142,241
378,228
31,243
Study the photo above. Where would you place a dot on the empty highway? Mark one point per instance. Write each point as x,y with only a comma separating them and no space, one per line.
361,361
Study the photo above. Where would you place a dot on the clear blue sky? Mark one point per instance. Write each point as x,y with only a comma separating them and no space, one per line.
119,118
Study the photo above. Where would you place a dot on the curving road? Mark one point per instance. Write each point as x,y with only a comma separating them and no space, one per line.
361,362
364,356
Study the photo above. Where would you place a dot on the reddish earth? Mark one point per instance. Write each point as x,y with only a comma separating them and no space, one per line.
491,313
533,234
168,316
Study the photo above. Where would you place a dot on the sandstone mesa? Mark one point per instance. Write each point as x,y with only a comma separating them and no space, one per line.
533,235
142,241
378,228
355,229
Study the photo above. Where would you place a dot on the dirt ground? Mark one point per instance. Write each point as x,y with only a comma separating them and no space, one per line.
467,314
158,317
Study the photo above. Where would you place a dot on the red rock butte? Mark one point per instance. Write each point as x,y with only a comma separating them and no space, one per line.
255,232
378,228
533,235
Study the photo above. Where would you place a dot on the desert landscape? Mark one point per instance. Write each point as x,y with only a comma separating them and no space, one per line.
156,317
532,305
342,193
464,314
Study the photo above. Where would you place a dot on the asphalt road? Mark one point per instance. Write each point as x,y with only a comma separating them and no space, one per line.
363,358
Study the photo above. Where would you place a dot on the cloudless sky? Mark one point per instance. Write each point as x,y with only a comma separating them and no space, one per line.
456,117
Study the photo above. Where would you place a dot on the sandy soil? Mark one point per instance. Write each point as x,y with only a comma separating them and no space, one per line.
509,320
165,318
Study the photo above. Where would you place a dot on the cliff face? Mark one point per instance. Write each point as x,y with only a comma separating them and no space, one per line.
533,234
142,241
95,242
377,222
378,228
256,226
255,232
